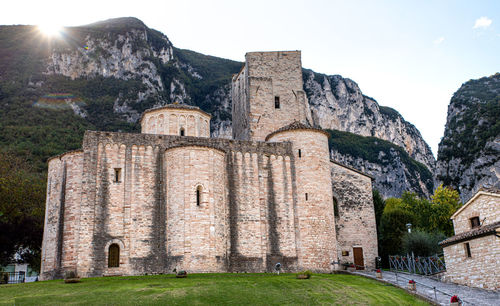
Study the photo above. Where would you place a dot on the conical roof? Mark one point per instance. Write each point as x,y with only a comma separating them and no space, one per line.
297,125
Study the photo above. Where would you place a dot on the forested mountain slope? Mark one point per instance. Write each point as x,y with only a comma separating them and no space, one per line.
469,153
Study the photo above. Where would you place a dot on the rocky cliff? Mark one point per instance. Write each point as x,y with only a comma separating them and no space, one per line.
392,168
337,103
110,72
469,152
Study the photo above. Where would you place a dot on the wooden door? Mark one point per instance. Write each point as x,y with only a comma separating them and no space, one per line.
359,261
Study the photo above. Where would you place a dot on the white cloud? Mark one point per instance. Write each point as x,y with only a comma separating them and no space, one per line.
438,40
482,22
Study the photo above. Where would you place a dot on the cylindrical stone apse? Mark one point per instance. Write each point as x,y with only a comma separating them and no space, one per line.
197,217
59,249
176,119
317,247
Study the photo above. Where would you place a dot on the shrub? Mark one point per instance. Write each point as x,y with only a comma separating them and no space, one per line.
4,278
422,243
181,274
70,276
304,274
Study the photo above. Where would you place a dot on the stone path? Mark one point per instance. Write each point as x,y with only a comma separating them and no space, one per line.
425,285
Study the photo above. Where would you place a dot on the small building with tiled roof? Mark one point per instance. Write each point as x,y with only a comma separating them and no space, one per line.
472,255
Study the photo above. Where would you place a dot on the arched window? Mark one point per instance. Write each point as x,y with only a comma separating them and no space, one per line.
113,256
198,195
182,131
335,207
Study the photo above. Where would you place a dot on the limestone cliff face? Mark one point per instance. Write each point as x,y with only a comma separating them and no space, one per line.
125,49
337,103
392,176
469,152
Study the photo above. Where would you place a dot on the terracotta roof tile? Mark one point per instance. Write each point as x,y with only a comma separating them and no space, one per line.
474,233
296,125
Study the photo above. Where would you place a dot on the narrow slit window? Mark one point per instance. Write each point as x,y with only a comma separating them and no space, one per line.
300,153
114,256
118,172
181,132
276,102
198,195
307,196
335,207
474,222
467,250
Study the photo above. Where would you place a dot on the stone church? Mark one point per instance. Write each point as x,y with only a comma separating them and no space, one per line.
171,197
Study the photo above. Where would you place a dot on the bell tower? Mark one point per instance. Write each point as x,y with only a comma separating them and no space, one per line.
268,94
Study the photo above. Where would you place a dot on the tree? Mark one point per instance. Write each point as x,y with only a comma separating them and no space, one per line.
422,243
446,202
22,198
378,204
392,229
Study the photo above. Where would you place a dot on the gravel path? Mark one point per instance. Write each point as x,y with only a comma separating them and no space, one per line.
425,285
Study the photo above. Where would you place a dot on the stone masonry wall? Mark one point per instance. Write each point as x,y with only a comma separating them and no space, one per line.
240,106
486,206
262,215
255,231
356,225
316,241
197,233
169,121
60,236
481,269
268,75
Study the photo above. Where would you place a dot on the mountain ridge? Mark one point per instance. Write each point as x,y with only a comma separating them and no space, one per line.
116,72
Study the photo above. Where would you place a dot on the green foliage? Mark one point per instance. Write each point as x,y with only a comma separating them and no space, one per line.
430,221
369,148
391,231
389,112
304,274
433,216
446,202
22,198
378,204
422,243
214,71
476,123
4,278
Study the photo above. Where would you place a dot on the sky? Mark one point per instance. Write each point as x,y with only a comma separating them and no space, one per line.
409,55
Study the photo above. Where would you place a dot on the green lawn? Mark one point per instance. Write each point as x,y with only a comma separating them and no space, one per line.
214,289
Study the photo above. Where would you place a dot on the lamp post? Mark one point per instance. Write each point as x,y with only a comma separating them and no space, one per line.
411,264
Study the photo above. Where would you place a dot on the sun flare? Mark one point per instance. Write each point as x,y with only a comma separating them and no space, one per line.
50,29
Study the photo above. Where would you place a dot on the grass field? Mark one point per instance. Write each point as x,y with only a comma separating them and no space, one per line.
213,289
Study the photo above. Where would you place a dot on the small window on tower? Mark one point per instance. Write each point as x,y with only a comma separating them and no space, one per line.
198,195
118,172
181,132
474,222
307,196
276,102
300,153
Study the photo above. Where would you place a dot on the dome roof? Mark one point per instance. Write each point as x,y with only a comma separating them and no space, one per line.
174,106
296,125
